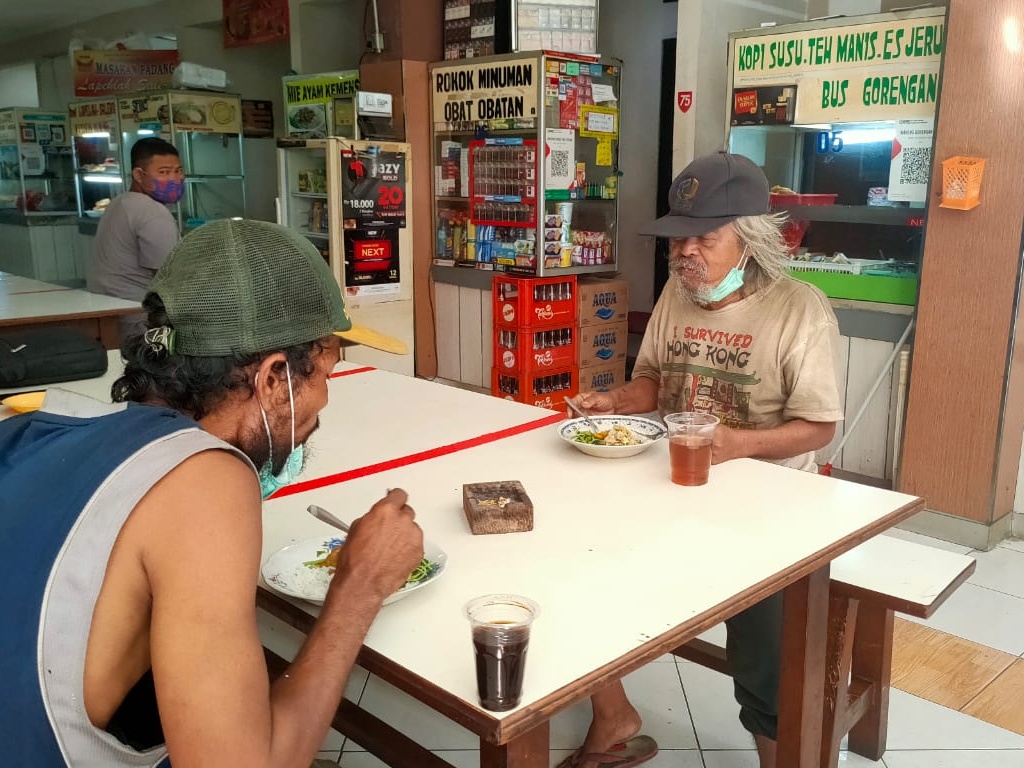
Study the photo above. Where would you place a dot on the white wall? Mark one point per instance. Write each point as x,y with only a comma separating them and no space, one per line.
818,8
632,30
702,65
18,86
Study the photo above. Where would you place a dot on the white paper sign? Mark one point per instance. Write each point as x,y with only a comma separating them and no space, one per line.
603,93
600,122
911,160
559,158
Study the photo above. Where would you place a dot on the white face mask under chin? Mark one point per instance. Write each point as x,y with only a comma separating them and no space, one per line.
269,482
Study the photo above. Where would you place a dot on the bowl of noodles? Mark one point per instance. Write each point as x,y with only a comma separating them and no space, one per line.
616,437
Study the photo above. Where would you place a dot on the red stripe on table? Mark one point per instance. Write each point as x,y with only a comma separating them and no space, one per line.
339,374
413,458
43,290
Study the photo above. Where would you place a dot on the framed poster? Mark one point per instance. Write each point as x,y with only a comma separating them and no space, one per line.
254,22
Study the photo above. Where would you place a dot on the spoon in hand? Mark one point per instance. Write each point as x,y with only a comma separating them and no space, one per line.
327,517
598,432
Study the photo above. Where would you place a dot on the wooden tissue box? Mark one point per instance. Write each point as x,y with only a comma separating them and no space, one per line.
498,507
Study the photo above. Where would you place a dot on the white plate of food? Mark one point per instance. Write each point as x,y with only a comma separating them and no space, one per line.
304,570
619,436
307,117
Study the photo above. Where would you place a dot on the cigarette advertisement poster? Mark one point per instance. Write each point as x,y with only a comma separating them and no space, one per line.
114,72
911,160
373,189
885,70
371,261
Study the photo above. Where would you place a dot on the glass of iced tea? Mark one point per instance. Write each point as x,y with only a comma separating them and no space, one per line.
689,446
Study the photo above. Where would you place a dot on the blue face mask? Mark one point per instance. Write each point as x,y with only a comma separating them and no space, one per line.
731,283
269,482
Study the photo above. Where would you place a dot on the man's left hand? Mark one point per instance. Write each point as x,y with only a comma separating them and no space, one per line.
729,443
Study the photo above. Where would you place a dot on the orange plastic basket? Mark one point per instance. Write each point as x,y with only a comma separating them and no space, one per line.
961,182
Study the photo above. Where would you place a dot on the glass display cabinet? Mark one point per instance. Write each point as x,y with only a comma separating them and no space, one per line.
525,155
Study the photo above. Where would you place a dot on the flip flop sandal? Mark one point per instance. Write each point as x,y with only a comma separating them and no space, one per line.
635,751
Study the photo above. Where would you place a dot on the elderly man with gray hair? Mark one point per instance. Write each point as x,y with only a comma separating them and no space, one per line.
734,336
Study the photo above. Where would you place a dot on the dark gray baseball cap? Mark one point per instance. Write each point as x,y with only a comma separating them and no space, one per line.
711,191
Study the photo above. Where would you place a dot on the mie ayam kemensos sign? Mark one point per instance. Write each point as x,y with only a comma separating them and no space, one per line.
485,91
860,72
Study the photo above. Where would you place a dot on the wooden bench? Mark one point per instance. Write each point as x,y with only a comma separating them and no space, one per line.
869,584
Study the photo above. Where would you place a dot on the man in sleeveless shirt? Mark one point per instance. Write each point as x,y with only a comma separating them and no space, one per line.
131,539
732,335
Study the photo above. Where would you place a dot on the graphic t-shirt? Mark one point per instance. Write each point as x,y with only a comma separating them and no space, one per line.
755,364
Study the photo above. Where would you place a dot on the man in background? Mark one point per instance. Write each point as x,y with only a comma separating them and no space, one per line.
137,230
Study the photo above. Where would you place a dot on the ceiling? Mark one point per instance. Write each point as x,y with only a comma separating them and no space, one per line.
25,18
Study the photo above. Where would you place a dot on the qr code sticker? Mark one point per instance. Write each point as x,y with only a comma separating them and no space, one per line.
559,164
917,165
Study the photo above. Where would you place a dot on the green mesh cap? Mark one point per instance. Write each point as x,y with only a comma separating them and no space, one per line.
238,286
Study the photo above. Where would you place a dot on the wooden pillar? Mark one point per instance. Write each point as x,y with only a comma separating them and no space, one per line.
965,411
412,39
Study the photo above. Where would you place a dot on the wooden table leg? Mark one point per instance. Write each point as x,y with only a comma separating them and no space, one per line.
842,622
802,686
872,662
527,751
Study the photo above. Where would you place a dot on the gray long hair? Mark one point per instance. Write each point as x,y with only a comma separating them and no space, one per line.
762,236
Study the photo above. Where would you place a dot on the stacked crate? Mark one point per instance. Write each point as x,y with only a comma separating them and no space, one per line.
535,340
603,333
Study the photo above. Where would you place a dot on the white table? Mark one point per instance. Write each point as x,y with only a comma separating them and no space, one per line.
376,418
624,564
28,303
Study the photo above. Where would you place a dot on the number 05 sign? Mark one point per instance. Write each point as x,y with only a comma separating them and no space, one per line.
373,188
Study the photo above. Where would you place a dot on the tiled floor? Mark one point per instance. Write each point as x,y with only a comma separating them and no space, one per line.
691,713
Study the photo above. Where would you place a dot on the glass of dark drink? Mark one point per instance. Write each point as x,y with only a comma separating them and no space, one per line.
501,635
689,446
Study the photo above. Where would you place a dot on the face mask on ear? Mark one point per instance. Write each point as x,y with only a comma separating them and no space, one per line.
269,482
731,283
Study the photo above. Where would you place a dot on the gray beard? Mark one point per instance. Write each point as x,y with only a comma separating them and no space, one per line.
698,297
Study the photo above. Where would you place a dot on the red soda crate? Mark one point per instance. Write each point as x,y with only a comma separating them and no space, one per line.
522,350
545,389
534,302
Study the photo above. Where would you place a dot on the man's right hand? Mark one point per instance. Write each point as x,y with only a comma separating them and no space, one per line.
384,546
597,402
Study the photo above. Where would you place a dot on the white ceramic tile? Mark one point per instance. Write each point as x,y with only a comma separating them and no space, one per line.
1017,545
714,709
657,694
852,760
983,615
929,541
733,758
978,758
463,758
417,721
333,743
331,756
730,758
1000,569
919,724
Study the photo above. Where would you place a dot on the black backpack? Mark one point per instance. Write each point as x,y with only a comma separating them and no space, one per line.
48,355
